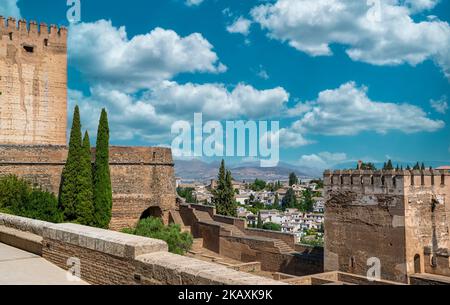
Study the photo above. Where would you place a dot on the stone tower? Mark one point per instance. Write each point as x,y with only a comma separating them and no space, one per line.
399,218
33,83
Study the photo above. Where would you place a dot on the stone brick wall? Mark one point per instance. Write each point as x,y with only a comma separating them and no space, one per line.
33,83
386,215
259,249
113,258
141,177
286,237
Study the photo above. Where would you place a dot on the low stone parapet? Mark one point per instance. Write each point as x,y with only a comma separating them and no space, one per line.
106,257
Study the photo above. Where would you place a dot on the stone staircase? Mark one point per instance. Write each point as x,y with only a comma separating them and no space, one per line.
176,217
234,231
206,217
282,246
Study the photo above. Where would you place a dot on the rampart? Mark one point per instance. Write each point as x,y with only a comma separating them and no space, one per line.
142,178
230,237
33,83
387,215
112,258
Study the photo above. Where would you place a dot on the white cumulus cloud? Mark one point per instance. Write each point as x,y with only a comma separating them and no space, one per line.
378,32
440,105
104,53
348,110
322,160
193,2
216,101
149,116
9,8
240,26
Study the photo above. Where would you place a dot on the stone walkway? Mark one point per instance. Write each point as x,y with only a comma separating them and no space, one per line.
22,268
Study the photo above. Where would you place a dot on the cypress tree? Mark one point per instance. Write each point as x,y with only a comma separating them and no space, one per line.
102,175
69,180
223,195
276,203
389,166
259,224
289,200
84,206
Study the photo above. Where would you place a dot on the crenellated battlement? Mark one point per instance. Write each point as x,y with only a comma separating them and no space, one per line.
22,30
386,178
33,83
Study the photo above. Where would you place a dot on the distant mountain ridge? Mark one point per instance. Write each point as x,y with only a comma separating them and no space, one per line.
197,170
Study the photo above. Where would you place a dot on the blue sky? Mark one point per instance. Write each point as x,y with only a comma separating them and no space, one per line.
347,80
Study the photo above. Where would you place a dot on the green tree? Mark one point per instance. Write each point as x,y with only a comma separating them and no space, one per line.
179,243
388,166
270,226
276,202
289,200
259,224
188,194
417,166
43,206
84,207
223,195
293,179
307,202
423,167
102,175
18,197
69,181
258,185
367,166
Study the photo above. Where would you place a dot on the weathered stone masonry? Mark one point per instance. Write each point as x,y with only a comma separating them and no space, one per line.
33,126
112,258
33,83
142,178
401,218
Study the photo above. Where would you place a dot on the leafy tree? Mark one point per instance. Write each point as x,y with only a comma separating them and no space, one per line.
272,227
18,197
178,242
258,185
367,166
307,202
293,179
223,195
276,202
42,206
318,182
70,175
84,207
102,175
259,224
188,194
417,166
13,193
289,200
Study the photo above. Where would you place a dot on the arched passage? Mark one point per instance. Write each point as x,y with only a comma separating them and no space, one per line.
152,212
417,264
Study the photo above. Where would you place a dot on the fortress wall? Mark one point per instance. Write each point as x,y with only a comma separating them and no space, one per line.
33,83
427,221
141,177
364,216
258,249
112,258
383,214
